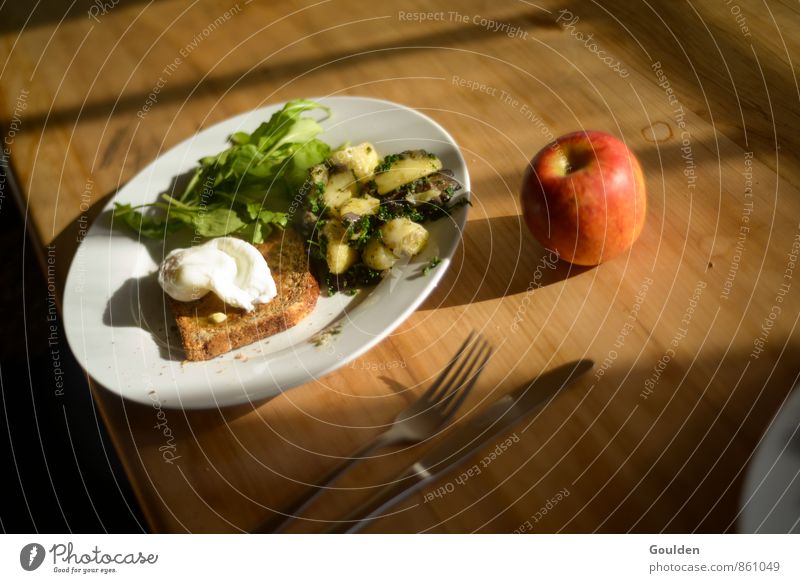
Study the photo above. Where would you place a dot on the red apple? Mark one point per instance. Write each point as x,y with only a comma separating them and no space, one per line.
584,197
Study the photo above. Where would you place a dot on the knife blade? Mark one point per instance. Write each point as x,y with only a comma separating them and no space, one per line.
464,441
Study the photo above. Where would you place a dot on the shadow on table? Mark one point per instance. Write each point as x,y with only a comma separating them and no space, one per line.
23,16
331,59
717,64
71,480
498,258
686,450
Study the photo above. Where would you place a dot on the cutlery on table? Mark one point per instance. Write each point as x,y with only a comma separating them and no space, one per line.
419,421
464,441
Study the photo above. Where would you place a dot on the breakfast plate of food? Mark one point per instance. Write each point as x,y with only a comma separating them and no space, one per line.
266,251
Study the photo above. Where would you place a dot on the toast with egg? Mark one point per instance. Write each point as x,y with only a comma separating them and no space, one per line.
209,327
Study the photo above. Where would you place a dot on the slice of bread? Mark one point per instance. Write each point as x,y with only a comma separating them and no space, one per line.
204,336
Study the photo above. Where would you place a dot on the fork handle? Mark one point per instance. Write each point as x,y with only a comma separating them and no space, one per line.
358,518
303,502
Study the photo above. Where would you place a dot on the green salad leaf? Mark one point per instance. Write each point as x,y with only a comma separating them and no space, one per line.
220,221
246,189
152,227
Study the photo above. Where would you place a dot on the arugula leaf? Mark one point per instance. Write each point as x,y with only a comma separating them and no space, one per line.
247,188
150,227
309,154
216,223
287,126
255,232
266,217
240,137
253,208
431,265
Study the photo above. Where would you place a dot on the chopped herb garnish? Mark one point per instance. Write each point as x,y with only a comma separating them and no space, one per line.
325,336
359,232
387,163
431,265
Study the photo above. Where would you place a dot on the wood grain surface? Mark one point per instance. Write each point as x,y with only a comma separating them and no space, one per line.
694,331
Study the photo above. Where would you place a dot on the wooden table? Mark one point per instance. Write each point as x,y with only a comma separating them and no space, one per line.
694,331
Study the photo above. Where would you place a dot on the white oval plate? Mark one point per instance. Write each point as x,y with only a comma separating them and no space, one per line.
121,329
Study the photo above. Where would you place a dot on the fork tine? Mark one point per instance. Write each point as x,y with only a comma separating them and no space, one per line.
450,409
434,388
462,372
456,372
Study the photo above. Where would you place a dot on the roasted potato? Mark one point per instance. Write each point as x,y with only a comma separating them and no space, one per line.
341,187
404,237
399,169
319,174
339,255
361,159
378,256
418,198
367,205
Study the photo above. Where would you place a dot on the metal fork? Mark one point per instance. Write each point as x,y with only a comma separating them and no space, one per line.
418,422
